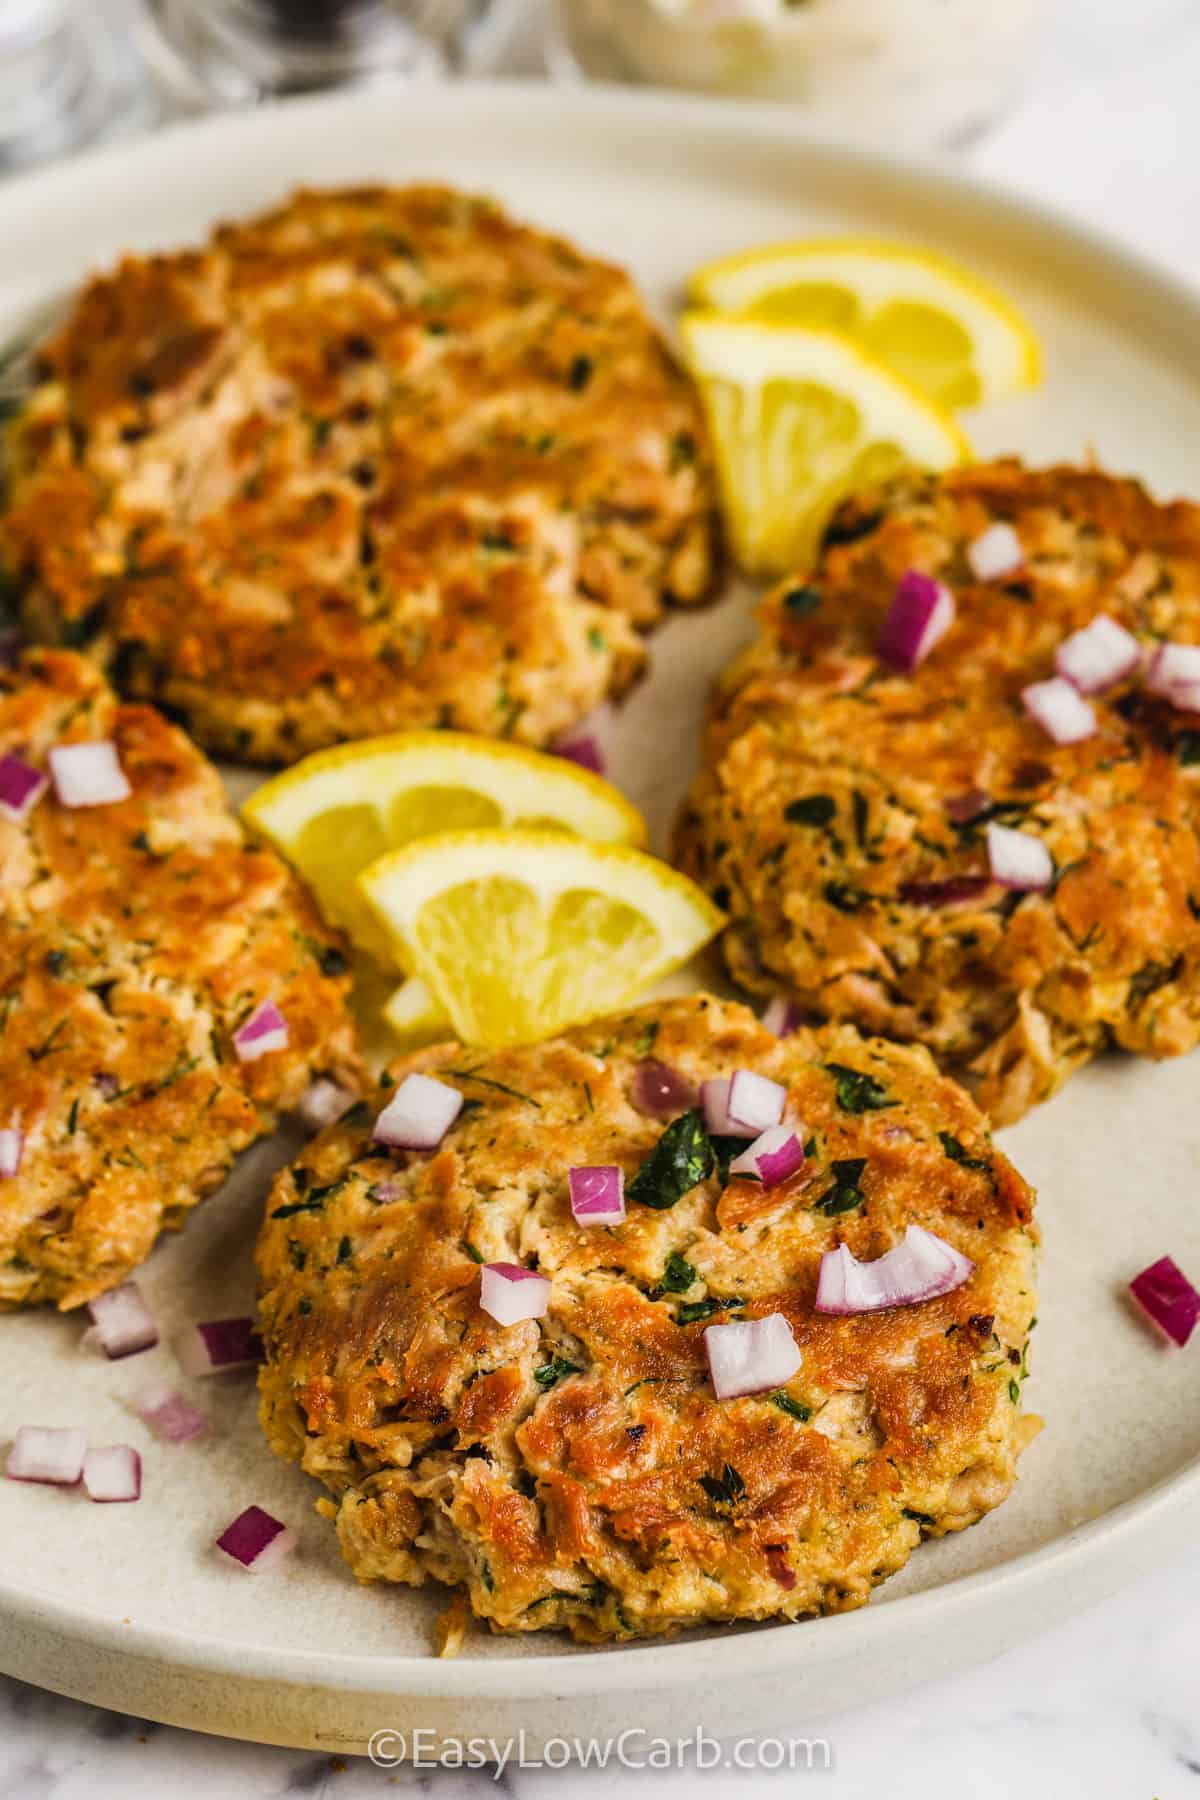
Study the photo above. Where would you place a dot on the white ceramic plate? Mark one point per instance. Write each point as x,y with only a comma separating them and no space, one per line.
129,1606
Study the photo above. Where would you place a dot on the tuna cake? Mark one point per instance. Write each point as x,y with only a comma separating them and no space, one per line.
381,459
577,1470
847,813
139,943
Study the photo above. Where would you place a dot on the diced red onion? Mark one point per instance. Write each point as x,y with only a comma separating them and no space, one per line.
418,1115
1174,673
597,1195
661,1091
995,552
124,1323
755,1103
1018,859
779,1565
919,1268
324,1103
88,774
21,787
772,1158
750,1356
265,1030
168,1414
47,1453
962,808
1060,710
1168,1298
12,1148
1099,656
951,892
583,749
113,1472
220,1347
510,1292
256,1541
714,1100
921,613
782,1016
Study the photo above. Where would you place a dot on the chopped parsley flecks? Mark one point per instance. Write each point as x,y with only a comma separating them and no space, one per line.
858,1092
845,1194
811,809
691,1311
548,1373
682,1158
800,601
725,1489
845,898
795,1409
958,1153
678,1275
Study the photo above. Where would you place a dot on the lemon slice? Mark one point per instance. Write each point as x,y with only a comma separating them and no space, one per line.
335,812
801,418
519,933
932,322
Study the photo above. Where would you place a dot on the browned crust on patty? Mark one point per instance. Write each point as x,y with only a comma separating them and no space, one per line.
883,914
134,939
380,459
587,1501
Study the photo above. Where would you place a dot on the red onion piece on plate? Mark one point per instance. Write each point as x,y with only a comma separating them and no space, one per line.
418,1115
995,552
113,1472
88,774
661,1092
782,1016
12,1148
750,1356
220,1347
168,1415
255,1541
1098,656
510,1292
754,1102
124,1323
583,749
921,1267
1168,1298
772,1158
597,1195
714,1099
1018,859
21,787
921,613
265,1030
1060,709
47,1453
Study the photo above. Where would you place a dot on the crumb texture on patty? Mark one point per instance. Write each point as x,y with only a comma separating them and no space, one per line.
380,459
841,816
577,1471
134,940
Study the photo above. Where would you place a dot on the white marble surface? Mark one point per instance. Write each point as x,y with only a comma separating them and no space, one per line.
1106,1706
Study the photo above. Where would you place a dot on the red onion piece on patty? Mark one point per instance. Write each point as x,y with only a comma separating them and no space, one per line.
782,1016
509,1292
88,774
921,613
660,1091
953,891
597,1195
323,1104
714,1100
1174,673
113,1473
995,552
12,1148
51,1454
772,1158
754,1102
265,1030
921,1267
750,1356
21,787
1168,1298
255,1541
1060,710
418,1115
1098,656
124,1323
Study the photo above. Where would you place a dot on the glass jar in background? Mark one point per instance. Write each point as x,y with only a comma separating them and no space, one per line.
67,77
909,72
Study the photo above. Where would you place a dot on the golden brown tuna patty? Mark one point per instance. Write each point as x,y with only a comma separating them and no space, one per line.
134,940
380,459
841,817
578,1471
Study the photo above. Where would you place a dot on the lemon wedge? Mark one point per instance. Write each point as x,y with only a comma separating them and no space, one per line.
929,320
516,934
800,419
336,812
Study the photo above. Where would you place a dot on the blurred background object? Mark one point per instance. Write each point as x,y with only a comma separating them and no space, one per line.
68,74
909,72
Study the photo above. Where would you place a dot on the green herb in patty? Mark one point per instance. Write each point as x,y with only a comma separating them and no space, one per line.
681,1159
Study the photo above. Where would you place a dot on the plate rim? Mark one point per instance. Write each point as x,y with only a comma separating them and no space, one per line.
769,1646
